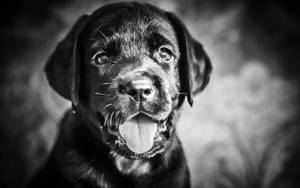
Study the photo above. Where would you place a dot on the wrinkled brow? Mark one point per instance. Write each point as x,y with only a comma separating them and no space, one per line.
155,40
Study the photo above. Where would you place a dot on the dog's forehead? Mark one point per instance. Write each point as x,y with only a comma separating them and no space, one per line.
130,22
134,14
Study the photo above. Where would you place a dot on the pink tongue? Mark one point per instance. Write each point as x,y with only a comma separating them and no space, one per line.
139,133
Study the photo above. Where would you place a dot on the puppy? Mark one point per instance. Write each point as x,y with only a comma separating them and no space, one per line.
127,69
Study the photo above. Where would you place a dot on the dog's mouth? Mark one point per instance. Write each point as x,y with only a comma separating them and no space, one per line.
140,136
139,132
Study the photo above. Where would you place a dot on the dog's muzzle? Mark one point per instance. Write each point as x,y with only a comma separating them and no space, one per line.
142,126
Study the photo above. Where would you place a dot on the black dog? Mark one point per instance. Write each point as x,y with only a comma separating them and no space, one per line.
127,69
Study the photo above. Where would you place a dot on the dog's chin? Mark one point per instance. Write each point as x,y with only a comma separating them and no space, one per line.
141,136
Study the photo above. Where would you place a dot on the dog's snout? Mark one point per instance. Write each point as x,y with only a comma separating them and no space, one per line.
138,88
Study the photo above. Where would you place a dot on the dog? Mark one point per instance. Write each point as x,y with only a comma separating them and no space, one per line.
127,69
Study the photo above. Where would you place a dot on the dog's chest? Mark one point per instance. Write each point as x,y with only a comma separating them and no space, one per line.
80,169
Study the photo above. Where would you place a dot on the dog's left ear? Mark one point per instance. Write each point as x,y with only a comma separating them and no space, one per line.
63,66
194,64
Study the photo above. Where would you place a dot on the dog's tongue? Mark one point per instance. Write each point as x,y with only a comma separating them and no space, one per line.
139,133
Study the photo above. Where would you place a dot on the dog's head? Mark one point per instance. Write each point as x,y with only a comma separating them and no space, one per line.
126,68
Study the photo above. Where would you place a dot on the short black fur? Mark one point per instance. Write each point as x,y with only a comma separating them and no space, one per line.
89,151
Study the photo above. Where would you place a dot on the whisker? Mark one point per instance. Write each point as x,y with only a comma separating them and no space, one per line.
106,83
106,106
103,35
131,98
111,116
117,114
98,85
118,121
105,119
102,94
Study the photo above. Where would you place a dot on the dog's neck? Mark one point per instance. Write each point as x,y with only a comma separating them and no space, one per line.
136,167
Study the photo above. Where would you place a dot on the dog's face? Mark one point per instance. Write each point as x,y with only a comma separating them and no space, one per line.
127,68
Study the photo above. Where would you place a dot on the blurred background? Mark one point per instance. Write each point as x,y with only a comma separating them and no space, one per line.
243,130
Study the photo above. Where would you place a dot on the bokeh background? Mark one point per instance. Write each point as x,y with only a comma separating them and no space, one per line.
243,130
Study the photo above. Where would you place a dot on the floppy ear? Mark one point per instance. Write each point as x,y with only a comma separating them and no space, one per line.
194,64
63,66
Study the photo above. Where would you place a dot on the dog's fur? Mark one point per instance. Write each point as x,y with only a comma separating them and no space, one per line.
89,151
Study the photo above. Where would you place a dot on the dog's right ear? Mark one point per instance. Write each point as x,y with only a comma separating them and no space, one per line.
63,66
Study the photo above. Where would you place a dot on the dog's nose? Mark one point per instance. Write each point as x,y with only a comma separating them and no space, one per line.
140,89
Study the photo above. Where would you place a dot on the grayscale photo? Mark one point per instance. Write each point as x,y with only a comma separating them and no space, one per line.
150,94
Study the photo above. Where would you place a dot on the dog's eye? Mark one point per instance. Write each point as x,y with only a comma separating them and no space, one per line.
165,54
101,58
